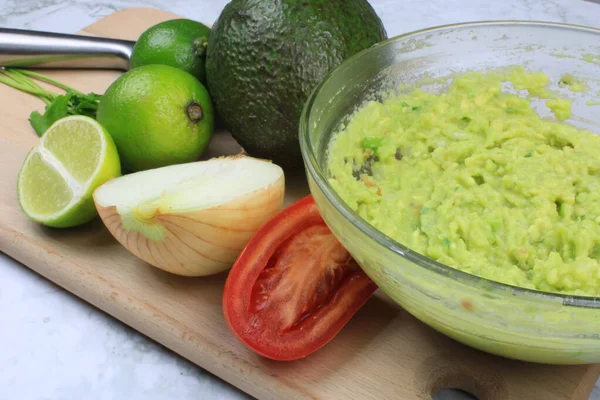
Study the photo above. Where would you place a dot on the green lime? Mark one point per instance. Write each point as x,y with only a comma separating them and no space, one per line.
179,43
158,116
59,175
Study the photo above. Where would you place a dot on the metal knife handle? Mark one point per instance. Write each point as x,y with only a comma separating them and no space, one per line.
35,49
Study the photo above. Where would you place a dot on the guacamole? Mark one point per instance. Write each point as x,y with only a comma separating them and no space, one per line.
475,179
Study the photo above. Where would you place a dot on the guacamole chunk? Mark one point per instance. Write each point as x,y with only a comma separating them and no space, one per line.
475,179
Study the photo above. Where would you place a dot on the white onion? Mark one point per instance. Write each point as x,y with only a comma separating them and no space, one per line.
192,219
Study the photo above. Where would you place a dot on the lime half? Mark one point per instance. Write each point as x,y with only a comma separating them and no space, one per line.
73,157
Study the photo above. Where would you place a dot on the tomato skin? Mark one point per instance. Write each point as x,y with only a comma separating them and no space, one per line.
294,286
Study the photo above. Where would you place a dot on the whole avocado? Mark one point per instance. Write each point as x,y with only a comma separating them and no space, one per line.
264,58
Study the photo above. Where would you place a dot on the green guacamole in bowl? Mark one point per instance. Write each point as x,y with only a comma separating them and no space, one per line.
459,166
474,178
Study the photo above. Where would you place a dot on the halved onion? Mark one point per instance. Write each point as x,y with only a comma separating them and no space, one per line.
192,219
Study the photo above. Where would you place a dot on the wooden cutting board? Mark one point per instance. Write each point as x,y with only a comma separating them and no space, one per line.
383,353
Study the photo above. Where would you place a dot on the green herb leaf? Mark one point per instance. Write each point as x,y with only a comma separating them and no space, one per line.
38,123
512,110
446,242
416,108
372,143
405,104
58,106
71,103
465,119
55,111
529,154
83,104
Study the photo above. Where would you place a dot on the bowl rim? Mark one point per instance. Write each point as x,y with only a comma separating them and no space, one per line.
384,240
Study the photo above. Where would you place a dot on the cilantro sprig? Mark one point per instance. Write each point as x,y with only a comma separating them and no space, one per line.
71,102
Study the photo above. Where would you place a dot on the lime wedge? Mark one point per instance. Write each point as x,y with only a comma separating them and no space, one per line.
73,157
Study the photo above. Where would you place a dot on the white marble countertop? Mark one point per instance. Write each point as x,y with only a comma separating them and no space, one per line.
55,346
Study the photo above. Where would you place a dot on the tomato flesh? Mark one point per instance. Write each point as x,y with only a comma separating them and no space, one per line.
294,286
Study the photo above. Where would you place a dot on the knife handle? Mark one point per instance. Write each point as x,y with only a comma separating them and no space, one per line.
35,49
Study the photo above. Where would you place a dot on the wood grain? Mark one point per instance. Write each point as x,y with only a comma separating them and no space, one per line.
383,353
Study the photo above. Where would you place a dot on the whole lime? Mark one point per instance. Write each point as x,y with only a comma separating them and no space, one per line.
157,115
179,43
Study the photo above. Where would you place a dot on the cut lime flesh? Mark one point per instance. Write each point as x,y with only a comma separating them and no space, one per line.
74,156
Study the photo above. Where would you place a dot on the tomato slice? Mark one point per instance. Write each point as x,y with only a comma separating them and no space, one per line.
294,286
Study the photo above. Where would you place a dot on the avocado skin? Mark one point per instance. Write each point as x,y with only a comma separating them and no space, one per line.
265,57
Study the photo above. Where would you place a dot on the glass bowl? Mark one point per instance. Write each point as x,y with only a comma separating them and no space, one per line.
497,318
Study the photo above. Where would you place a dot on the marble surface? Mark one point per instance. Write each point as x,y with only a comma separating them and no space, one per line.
55,346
